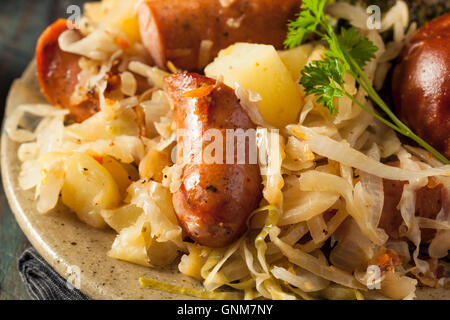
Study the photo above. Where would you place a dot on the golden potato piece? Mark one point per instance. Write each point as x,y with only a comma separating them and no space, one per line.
296,59
89,188
260,69
153,164
119,174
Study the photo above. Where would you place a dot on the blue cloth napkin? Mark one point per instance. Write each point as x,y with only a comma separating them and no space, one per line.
42,282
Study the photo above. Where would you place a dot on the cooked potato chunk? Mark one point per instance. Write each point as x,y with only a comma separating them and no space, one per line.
88,188
259,68
153,164
295,59
119,174
132,170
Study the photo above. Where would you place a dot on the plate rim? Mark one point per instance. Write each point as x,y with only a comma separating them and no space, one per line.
49,254
56,259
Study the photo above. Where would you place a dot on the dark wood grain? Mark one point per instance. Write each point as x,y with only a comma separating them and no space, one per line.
21,23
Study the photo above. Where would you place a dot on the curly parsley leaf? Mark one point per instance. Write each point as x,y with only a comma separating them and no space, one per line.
324,79
359,47
307,22
300,29
350,51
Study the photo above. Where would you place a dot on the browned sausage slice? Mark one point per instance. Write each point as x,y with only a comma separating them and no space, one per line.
214,200
173,30
58,73
421,84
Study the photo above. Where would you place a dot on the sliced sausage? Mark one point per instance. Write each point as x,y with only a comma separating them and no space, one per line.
421,84
58,73
214,200
173,30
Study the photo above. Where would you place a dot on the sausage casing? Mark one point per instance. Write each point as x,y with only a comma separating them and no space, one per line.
421,84
173,30
214,199
58,73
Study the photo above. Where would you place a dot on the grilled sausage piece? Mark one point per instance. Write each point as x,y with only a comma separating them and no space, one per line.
421,84
428,205
173,30
214,199
58,73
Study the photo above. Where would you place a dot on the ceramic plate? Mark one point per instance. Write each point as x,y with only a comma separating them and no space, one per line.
65,242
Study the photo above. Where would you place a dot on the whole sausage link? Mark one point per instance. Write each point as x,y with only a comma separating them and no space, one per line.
173,30
214,200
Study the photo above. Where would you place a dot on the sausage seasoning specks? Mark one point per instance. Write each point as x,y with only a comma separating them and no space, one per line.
58,71
173,30
214,200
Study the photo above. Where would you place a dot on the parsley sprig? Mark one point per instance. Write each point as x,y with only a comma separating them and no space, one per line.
348,52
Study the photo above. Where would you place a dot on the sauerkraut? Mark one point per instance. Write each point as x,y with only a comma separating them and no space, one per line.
323,180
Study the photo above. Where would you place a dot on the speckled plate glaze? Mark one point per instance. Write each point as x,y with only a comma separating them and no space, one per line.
62,239
65,242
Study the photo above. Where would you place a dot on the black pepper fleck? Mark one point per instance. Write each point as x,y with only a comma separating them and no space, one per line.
211,188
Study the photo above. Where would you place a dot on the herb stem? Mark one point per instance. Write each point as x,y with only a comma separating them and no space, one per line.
348,52
373,113
399,126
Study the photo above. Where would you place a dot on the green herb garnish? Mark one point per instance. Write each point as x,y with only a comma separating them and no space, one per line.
348,52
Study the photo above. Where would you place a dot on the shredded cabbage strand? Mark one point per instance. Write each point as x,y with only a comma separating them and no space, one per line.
197,293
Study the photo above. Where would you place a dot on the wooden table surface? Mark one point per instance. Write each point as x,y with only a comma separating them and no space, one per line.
21,22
